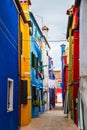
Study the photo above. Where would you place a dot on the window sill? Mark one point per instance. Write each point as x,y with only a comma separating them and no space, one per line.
10,110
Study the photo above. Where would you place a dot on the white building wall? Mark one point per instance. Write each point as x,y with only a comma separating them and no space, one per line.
46,74
83,57
83,38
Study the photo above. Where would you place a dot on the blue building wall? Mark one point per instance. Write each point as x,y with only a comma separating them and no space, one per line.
62,66
36,82
8,63
36,50
51,74
51,90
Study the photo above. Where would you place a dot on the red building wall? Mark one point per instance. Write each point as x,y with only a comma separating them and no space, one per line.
65,74
76,63
58,93
76,55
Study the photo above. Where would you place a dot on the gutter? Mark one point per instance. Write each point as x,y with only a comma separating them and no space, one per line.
31,14
22,13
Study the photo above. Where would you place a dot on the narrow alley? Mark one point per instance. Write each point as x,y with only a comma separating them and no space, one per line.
51,120
43,70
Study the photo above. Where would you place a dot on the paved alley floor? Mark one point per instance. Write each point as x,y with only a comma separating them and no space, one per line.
51,120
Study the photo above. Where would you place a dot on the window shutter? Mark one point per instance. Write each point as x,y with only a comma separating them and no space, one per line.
36,67
41,64
37,62
33,93
32,59
23,91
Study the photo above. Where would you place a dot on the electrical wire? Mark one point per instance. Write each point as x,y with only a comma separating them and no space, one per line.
3,32
58,41
10,41
7,38
1,21
7,30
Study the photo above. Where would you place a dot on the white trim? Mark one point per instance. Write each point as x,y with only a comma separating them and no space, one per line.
29,97
27,73
15,5
26,11
10,87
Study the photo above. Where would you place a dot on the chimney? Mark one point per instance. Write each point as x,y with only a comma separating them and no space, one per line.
45,30
25,2
62,48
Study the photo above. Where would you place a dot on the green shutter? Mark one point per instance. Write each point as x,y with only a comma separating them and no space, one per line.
33,93
32,59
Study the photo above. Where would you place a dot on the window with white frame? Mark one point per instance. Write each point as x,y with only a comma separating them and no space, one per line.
10,95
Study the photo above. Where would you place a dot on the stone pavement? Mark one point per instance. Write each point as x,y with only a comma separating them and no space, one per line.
51,120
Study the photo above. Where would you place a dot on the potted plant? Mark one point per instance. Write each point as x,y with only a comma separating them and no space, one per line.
44,102
35,109
36,103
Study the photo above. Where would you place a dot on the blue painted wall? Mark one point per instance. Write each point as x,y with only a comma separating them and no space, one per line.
35,48
62,66
51,90
51,74
8,63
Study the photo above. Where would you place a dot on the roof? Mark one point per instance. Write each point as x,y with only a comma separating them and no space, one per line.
62,45
24,1
70,20
45,28
70,11
58,74
22,13
29,2
77,2
31,14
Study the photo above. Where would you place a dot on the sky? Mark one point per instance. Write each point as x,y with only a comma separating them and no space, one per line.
52,13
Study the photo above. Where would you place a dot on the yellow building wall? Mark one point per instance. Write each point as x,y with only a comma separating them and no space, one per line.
70,63
72,114
25,66
70,73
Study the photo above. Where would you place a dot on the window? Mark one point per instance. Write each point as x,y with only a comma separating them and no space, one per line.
41,66
34,97
34,61
31,28
10,95
24,92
